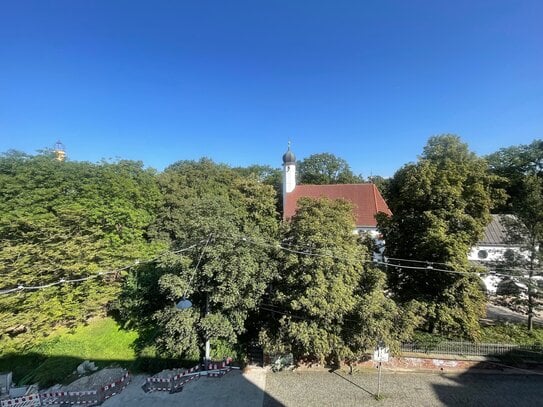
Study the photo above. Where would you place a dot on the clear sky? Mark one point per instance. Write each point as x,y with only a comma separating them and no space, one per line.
369,81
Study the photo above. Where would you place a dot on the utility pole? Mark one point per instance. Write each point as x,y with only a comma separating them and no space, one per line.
530,286
379,380
207,356
380,355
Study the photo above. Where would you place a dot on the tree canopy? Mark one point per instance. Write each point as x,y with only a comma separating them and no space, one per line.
212,235
440,206
512,165
227,221
326,303
326,168
69,220
521,169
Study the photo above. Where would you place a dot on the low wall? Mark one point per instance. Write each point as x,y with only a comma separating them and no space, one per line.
435,364
424,363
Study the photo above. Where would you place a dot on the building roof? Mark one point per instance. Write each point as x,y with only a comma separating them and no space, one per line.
495,232
366,198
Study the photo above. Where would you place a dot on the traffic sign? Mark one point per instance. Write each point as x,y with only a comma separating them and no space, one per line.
381,354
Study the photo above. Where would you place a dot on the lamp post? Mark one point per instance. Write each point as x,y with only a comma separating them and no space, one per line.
186,304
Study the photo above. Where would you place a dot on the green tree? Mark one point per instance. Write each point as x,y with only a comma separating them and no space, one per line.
522,169
440,208
382,184
68,220
227,220
326,168
512,164
267,175
525,228
326,304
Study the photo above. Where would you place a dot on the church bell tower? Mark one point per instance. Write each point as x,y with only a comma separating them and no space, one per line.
289,173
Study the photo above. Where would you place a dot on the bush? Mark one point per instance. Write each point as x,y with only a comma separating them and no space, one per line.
512,333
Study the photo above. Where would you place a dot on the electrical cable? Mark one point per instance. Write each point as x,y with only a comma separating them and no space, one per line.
275,245
21,287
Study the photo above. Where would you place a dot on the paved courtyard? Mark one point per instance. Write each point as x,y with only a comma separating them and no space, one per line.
260,388
402,389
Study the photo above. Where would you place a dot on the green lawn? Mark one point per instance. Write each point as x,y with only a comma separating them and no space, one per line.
101,339
54,359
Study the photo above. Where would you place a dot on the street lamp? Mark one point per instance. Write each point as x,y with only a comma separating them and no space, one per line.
183,304
186,304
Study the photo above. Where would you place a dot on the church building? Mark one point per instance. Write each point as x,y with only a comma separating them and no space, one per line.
365,197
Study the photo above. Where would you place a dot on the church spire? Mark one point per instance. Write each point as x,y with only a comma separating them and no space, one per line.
289,157
289,173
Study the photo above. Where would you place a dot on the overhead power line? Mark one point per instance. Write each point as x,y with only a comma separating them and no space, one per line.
22,287
328,253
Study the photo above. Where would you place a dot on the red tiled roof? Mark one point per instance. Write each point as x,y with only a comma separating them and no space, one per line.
366,198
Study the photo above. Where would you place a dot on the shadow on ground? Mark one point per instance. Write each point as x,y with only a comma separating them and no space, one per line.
32,367
516,379
233,389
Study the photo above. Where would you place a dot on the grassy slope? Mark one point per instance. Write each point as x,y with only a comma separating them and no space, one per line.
101,339
53,359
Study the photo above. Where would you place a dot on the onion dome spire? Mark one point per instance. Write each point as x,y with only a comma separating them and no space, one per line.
289,157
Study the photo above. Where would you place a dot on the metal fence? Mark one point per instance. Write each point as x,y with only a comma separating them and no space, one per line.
473,349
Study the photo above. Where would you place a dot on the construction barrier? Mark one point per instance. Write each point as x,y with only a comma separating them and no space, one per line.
219,373
114,388
219,369
174,384
83,397
177,384
30,400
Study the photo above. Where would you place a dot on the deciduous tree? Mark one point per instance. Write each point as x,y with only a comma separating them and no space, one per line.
228,220
68,220
326,168
440,206
327,304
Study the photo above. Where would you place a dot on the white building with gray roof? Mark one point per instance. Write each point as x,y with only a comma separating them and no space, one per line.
495,244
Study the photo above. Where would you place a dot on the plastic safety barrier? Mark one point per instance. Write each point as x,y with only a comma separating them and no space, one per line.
25,401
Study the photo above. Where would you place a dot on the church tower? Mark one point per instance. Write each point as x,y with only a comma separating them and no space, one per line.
59,151
289,173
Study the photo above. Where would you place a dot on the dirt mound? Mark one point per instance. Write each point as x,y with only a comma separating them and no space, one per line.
96,380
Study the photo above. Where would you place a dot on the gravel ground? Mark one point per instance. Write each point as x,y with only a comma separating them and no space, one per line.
400,389
257,387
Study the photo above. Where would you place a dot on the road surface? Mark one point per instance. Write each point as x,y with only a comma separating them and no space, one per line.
259,387
498,313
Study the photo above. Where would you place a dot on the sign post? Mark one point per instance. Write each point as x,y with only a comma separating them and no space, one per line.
380,355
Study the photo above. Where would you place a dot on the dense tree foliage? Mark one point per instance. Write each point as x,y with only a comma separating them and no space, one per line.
267,175
230,220
326,168
382,184
526,228
326,304
68,220
522,169
440,206
213,233
512,164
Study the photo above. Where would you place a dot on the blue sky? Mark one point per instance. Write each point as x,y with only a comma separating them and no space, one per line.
369,81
